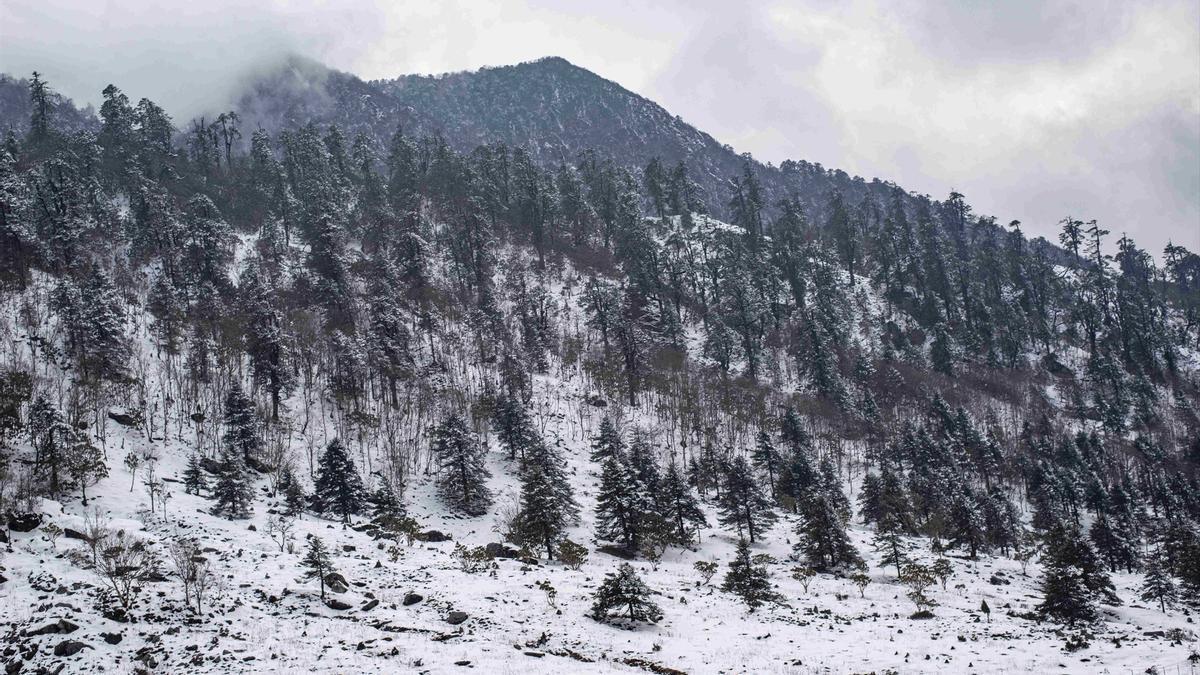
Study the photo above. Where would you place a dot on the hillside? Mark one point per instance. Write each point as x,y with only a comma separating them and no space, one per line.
261,388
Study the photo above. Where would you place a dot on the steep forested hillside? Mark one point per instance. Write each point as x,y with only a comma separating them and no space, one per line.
367,397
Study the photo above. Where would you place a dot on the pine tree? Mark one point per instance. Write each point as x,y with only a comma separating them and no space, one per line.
1073,579
233,493
742,504
543,517
241,424
388,510
748,578
619,508
680,506
644,465
194,480
1158,586
767,458
317,562
338,488
84,463
1064,595
822,535
888,542
103,347
294,498
463,476
624,595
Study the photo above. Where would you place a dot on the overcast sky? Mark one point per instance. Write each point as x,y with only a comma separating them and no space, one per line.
1034,110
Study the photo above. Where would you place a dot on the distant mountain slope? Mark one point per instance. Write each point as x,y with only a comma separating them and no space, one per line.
551,107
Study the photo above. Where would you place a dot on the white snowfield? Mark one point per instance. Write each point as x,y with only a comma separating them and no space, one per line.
264,620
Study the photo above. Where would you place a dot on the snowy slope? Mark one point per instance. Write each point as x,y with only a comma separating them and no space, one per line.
264,619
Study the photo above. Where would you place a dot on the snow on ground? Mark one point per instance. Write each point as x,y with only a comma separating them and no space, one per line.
262,618
265,619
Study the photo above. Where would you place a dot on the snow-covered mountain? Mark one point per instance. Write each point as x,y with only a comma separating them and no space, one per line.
289,390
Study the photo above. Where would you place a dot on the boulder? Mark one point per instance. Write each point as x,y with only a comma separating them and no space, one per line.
337,583
61,626
112,638
3,536
498,550
433,536
618,552
69,648
456,617
74,534
122,419
334,603
24,522
370,604
411,599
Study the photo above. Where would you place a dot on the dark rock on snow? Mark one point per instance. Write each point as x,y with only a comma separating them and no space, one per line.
122,419
69,648
24,522
497,550
337,583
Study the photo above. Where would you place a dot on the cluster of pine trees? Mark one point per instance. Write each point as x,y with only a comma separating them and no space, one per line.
398,300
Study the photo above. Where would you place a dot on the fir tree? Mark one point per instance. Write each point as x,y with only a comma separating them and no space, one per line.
1158,586
294,498
742,505
624,595
241,424
543,518
317,562
888,542
338,488
463,476
644,465
822,536
1073,579
232,493
194,480
84,463
621,510
748,578
1064,596
388,510
680,506
767,459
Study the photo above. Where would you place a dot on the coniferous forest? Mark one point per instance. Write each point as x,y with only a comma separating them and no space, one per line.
381,388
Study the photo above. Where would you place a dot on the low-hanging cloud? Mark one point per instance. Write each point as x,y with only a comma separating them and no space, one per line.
1034,110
